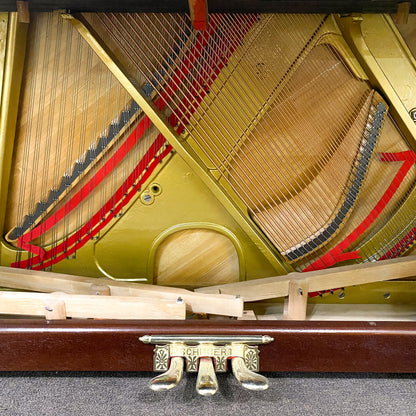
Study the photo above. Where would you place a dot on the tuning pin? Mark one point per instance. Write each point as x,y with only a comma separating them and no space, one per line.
170,378
248,379
206,383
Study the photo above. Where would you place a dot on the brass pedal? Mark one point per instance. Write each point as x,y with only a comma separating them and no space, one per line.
206,354
247,378
170,378
206,383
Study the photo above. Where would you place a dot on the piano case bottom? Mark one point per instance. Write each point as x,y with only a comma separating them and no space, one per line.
302,346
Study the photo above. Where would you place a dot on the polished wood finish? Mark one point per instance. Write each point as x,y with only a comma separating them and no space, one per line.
85,345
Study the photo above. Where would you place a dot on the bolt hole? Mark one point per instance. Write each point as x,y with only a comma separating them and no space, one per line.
155,189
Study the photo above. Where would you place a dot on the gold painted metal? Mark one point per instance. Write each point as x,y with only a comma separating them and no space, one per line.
351,27
392,55
254,154
327,34
176,141
85,262
325,37
185,205
4,19
12,57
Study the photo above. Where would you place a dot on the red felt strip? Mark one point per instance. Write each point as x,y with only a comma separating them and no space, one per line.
119,155
173,85
99,220
198,10
336,255
23,242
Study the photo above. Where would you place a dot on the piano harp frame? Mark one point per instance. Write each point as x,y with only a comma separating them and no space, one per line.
110,345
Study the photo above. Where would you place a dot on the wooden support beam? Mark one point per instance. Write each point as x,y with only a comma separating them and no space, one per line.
297,300
55,309
39,281
100,290
55,305
275,287
248,316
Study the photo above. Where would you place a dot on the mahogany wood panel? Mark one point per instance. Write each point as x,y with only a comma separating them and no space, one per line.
104,345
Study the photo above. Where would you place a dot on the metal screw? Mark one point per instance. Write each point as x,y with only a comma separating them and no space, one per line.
147,198
48,309
237,297
386,295
179,300
300,291
341,295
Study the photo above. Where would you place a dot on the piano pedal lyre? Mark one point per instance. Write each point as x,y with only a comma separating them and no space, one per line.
206,354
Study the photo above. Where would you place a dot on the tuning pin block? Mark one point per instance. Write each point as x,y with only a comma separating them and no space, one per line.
206,355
